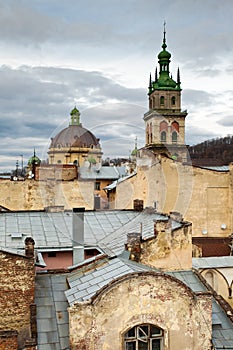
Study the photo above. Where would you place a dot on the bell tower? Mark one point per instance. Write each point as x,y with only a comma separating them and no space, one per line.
165,121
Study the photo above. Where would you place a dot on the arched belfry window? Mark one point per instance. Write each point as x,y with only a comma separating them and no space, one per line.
173,100
163,136
174,137
175,126
161,100
143,337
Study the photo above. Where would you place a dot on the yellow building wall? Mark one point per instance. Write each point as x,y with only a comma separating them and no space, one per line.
203,197
36,195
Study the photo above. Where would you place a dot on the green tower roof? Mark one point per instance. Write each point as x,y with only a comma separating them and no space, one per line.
75,116
164,81
34,159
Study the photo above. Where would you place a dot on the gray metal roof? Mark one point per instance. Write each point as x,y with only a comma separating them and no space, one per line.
221,168
113,244
105,229
116,182
84,286
54,230
52,314
213,262
102,173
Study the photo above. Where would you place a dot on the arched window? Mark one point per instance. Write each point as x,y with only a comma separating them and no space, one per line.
143,337
175,126
163,137
161,100
174,137
173,100
163,126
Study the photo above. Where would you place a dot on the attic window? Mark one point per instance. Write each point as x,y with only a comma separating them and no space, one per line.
145,336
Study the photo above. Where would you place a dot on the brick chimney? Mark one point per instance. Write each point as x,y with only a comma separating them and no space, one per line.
138,204
29,247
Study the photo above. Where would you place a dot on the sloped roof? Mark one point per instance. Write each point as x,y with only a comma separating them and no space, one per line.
105,229
213,262
52,314
100,172
54,230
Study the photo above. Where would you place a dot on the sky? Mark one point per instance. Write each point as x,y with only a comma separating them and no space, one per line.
97,55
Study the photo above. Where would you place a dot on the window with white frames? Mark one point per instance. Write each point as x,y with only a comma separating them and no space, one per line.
143,337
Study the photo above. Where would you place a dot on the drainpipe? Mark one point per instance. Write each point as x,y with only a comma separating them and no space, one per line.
78,235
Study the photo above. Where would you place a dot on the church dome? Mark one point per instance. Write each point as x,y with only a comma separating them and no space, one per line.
75,135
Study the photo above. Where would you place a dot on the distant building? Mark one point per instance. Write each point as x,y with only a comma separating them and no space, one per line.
74,144
165,121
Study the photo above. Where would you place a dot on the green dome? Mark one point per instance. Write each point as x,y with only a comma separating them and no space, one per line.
164,55
34,160
74,111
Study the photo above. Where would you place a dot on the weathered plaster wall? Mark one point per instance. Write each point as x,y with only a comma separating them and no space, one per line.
36,195
171,250
142,298
204,197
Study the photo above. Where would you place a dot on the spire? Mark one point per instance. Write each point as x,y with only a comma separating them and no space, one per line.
156,75
164,36
178,76
150,84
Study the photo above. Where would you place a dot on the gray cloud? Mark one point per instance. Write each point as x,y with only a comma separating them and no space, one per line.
226,121
197,98
195,135
110,37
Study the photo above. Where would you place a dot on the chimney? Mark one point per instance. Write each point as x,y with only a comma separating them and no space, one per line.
134,245
29,247
78,235
138,204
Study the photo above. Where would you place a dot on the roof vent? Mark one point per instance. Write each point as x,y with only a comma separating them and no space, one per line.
16,235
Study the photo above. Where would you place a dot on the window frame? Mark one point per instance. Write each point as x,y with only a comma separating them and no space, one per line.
148,338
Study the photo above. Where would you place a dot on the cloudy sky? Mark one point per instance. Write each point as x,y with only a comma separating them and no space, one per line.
98,55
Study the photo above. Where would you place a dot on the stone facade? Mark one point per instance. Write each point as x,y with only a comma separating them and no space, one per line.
138,299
